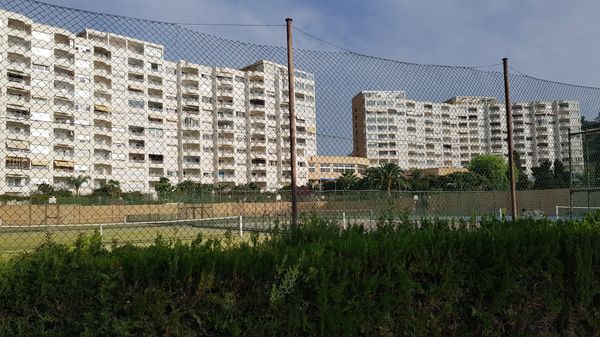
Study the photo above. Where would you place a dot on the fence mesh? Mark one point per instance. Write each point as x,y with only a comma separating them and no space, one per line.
138,128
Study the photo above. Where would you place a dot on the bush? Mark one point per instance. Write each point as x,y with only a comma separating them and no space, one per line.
530,278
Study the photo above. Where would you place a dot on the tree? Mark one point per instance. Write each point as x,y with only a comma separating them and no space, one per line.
589,176
463,181
419,181
252,186
543,175
47,190
562,176
521,179
493,168
76,182
347,181
111,188
44,189
386,177
164,188
186,187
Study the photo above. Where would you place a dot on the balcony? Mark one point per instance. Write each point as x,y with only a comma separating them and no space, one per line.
104,72
64,152
191,149
17,97
102,172
189,74
102,156
19,46
67,63
64,73
137,146
102,54
19,81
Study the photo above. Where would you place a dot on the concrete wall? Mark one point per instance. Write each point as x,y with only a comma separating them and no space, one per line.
431,203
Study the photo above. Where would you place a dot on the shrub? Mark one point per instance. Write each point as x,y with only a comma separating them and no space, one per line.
529,278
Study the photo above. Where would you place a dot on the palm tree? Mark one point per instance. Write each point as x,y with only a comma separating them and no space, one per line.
348,180
386,176
76,182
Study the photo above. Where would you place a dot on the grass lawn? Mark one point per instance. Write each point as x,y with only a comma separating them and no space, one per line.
16,241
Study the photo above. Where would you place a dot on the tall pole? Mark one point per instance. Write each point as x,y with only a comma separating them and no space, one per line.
292,110
570,178
509,128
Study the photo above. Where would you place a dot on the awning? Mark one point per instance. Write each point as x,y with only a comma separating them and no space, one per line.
17,144
14,106
39,163
16,175
136,87
16,89
14,71
17,159
101,108
64,163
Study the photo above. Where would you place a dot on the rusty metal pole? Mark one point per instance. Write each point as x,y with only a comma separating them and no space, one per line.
509,129
292,111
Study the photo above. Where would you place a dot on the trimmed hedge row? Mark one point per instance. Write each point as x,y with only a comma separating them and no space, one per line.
530,278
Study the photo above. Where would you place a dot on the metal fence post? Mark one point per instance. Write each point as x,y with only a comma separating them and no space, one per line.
292,111
509,129
570,180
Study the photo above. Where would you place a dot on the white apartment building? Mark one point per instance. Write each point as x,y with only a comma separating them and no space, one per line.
389,127
111,107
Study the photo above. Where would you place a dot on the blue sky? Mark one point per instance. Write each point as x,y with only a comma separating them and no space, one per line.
550,39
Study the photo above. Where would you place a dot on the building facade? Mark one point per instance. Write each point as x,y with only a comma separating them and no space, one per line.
389,127
112,107
327,168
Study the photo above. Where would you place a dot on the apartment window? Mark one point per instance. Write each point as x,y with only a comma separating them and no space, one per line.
82,107
82,49
155,132
206,99
155,66
207,136
170,71
239,79
40,67
136,104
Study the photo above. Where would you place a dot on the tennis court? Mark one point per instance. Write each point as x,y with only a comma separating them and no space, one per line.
16,239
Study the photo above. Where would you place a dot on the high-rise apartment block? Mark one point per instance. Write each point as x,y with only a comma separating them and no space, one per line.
109,106
389,127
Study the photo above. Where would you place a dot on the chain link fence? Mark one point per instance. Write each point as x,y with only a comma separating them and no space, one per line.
136,128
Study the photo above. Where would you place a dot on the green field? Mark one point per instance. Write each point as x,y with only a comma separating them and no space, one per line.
16,241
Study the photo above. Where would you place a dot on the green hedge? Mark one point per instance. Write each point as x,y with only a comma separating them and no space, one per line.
524,279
